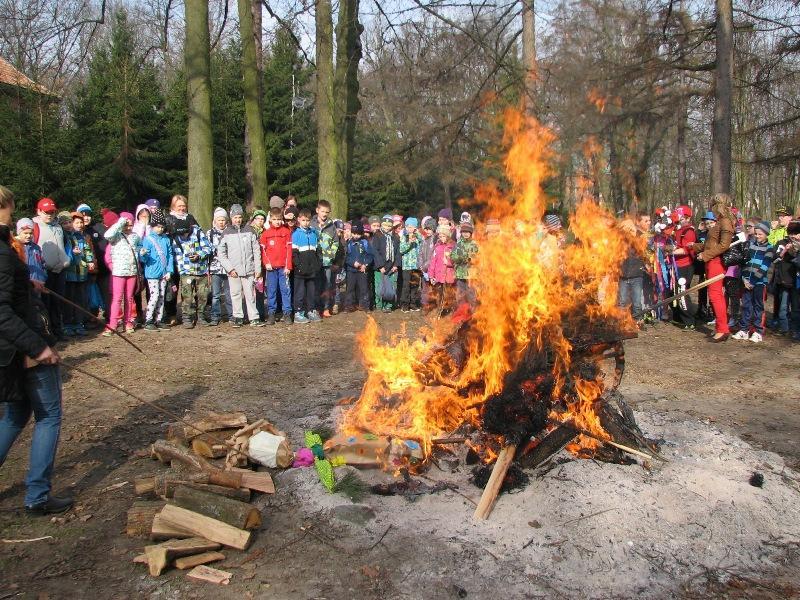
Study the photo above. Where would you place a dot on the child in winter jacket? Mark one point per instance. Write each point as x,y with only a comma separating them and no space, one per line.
220,291
410,242
424,259
441,272
754,277
328,247
156,254
32,253
240,255
276,256
82,264
307,264
358,262
192,252
465,249
124,253
386,249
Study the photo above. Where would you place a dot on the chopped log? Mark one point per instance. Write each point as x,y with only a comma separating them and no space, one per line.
160,530
257,481
214,422
239,514
160,485
187,562
547,448
160,555
242,494
204,526
211,445
140,518
492,488
140,559
210,574
144,486
246,431
166,452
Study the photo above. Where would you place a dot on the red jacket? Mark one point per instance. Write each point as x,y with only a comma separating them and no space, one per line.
276,247
683,237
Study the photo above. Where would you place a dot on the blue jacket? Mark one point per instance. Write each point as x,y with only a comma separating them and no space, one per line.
306,254
760,258
359,251
33,256
156,256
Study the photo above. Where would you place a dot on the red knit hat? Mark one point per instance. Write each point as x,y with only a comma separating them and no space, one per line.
109,217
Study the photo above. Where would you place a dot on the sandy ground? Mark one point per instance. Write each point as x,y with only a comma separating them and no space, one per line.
693,527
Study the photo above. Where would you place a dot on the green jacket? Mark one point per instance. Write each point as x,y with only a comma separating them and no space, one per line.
462,257
409,249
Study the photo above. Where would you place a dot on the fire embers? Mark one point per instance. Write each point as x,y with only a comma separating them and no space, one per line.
520,410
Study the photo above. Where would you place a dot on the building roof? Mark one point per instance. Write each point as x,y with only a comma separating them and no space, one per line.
11,76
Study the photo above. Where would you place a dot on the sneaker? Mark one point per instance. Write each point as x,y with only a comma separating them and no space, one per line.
740,335
150,326
52,505
300,318
161,325
279,316
335,309
416,308
286,316
188,324
756,337
711,322
314,316
237,323
130,329
405,309
386,309
688,327
271,319
326,314
106,333
212,323
256,323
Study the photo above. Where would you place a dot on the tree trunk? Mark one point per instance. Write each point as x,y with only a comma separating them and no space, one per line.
680,143
233,512
200,161
723,98
529,55
255,145
327,146
615,171
346,103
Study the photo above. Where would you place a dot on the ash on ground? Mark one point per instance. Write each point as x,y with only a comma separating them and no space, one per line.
582,528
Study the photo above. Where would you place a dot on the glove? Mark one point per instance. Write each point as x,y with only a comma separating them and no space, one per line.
426,277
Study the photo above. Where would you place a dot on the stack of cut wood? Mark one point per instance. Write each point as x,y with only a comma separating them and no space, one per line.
204,500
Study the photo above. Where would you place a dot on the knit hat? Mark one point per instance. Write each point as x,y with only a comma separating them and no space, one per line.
338,224
126,215
780,210
428,222
386,219
465,226
84,208
152,203
64,216
356,227
237,210
446,213
374,219
763,226
256,213
157,217
710,216
25,223
443,229
793,228
412,222
276,202
552,222
109,217
290,213
76,215
397,219
465,217
221,212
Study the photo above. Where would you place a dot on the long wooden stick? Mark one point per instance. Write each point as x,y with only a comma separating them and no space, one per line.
671,299
492,489
622,447
90,315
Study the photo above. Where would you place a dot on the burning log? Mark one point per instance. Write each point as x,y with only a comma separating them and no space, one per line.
548,447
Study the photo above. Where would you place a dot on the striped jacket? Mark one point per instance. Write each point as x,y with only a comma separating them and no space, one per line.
760,258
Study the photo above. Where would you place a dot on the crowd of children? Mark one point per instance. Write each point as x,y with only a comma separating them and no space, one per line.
154,268
758,258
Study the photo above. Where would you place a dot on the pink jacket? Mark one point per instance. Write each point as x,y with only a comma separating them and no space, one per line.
441,269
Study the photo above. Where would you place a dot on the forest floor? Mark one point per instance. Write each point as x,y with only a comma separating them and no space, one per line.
692,528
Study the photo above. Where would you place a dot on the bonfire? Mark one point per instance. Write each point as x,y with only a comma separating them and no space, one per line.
535,366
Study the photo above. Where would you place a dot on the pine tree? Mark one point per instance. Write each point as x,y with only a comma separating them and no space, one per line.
115,139
291,142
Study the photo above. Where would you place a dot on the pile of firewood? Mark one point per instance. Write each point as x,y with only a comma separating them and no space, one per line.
204,498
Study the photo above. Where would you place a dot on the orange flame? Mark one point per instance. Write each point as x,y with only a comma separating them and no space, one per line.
528,282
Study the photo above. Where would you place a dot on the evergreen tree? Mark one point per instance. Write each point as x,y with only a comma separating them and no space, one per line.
291,141
116,138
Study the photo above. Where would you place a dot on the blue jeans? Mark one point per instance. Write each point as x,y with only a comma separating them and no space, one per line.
630,293
785,297
43,389
220,292
753,309
278,281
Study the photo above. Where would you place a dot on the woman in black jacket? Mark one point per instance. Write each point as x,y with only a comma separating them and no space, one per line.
30,380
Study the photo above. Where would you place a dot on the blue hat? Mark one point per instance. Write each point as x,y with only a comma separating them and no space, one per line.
84,208
412,221
152,203
710,216
386,218
763,226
